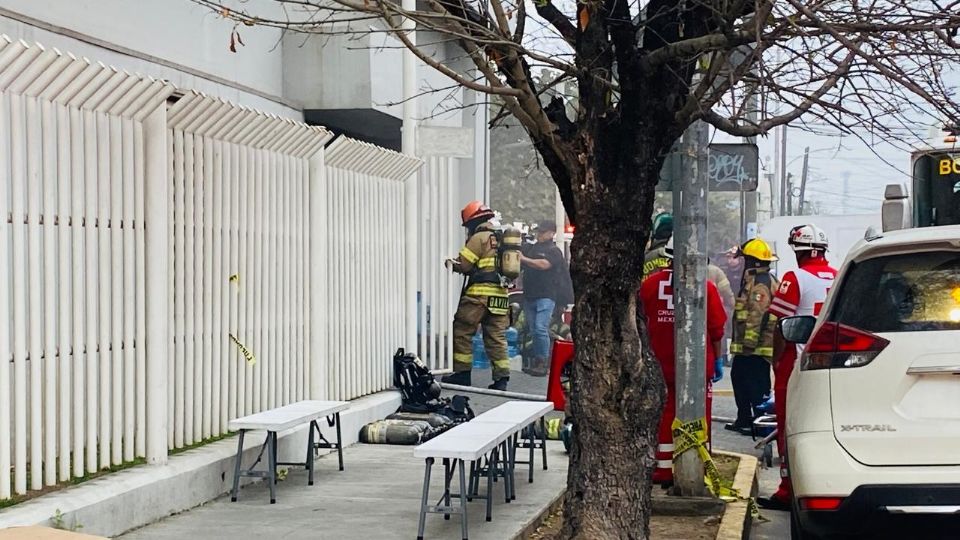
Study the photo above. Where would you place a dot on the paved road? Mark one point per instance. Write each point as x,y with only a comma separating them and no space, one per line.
778,525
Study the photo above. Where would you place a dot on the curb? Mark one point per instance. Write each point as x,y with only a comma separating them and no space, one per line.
534,523
736,521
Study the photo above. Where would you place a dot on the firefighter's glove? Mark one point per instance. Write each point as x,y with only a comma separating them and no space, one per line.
718,369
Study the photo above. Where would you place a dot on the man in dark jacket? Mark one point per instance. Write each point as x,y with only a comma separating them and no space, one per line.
542,264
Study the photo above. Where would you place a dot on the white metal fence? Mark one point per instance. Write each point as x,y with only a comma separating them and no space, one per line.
440,236
365,274
168,265
72,268
241,184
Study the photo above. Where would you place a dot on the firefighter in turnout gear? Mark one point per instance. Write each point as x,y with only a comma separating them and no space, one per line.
801,292
753,329
483,301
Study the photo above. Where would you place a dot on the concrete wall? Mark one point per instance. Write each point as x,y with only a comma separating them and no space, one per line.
175,30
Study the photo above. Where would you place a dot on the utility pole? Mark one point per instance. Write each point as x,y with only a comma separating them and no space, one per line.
783,170
749,199
689,277
789,194
773,194
803,177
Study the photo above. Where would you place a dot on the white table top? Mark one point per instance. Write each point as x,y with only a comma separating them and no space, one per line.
521,413
288,416
468,441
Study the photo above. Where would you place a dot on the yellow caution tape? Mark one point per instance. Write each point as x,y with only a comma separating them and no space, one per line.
251,359
693,435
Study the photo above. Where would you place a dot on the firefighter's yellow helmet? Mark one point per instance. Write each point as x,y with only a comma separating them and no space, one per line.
758,249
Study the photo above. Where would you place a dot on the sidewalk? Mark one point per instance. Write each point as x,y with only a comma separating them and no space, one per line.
377,496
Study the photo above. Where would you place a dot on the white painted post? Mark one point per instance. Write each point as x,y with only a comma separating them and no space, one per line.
50,293
239,156
19,177
260,315
140,336
129,322
208,278
199,359
34,279
157,226
92,280
78,261
116,297
189,282
316,221
105,283
5,345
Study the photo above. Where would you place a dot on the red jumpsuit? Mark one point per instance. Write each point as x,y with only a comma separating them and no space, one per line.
656,296
801,292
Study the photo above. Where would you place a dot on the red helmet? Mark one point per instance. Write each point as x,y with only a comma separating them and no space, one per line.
474,210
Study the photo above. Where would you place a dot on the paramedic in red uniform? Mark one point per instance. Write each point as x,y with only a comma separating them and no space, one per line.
656,296
801,292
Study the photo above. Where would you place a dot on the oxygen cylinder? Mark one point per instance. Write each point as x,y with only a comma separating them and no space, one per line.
407,432
434,419
509,253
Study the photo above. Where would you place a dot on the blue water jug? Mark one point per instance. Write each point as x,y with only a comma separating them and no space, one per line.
513,342
480,360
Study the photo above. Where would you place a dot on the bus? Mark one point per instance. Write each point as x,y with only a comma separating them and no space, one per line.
934,194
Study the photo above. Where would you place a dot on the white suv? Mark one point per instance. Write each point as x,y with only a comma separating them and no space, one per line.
873,428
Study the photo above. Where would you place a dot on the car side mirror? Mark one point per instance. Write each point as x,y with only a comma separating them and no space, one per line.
797,329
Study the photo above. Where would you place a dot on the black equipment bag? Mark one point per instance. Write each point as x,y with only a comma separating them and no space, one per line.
420,392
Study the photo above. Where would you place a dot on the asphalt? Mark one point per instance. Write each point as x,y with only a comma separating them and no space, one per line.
774,525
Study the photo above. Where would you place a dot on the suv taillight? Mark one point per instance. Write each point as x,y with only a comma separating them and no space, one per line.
840,346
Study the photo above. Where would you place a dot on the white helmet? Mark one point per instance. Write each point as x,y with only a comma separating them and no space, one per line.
808,238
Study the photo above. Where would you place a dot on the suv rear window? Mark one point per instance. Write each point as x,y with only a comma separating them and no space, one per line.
901,293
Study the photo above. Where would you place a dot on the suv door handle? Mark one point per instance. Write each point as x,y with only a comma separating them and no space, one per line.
934,370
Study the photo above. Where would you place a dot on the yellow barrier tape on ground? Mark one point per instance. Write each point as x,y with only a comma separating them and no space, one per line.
693,435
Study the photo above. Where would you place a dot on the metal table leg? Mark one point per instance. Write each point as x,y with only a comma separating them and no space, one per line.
543,441
426,495
531,438
473,472
513,466
463,502
505,469
340,442
491,471
310,460
272,464
447,476
236,467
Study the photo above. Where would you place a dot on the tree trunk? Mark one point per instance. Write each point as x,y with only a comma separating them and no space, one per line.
618,391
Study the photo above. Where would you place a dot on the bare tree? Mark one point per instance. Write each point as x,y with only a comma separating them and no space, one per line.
645,70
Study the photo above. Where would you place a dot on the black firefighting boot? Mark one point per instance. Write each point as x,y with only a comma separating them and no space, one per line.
500,384
461,378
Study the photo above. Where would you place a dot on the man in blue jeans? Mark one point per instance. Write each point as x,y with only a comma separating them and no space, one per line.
542,264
